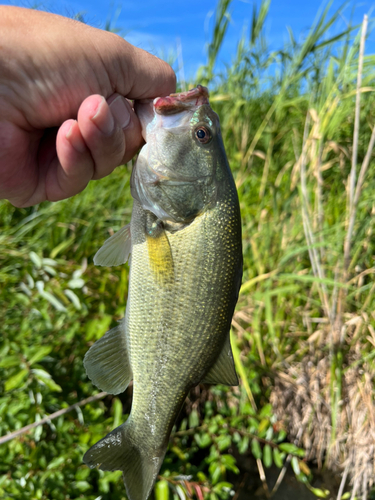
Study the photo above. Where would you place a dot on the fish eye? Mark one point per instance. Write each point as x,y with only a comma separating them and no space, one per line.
203,134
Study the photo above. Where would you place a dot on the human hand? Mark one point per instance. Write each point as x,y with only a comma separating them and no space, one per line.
64,119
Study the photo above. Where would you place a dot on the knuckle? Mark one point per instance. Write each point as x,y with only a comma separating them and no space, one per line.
108,156
170,77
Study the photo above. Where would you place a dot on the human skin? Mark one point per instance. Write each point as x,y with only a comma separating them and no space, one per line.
65,115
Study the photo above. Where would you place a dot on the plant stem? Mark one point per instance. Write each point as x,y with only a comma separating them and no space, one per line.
27,428
352,178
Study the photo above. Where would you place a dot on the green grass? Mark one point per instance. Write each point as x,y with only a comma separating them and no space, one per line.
304,328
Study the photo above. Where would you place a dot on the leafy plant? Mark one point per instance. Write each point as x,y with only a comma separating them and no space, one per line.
304,329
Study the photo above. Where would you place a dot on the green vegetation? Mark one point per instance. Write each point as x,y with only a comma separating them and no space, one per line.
304,328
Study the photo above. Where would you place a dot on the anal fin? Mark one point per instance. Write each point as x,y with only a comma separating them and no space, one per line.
223,371
107,363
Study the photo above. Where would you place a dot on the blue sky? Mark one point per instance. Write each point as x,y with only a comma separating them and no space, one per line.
161,26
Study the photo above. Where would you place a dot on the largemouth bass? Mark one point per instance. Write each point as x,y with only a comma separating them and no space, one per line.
185,274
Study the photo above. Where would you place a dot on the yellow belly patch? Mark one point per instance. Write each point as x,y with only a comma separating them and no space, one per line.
160,257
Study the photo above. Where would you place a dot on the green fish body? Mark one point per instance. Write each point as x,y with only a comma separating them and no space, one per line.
185,274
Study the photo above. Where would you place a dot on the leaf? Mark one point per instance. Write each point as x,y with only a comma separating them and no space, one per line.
49,270
16,380
263,426
216,473
295,466
223,442
76,283
229,462
81,486
35,259
277,458
46,379
198,491
202,477
51,298
307,278
244,445
266,411
49,262
9,361
255,448
81,419
41,353
38,430
267,455
281,436
117,412
162,490
193,419
82,474
4,349
241,370
177,451
77,273
62,246
95,328
56,462
319,492
304,468
203,440
73,298
180,492
223,485
292,449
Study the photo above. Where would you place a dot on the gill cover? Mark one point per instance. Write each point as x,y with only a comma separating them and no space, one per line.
175,173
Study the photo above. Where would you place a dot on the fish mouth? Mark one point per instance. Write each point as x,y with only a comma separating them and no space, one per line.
175,103
147,109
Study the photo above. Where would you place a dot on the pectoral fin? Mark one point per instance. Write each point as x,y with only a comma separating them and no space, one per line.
160,254
223,371
107,362
115,250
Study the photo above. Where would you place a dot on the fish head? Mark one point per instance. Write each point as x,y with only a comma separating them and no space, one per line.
176,174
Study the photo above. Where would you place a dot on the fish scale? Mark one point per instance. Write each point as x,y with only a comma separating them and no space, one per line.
199,313
185,274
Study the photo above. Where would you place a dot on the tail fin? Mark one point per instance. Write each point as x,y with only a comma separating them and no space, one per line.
118,451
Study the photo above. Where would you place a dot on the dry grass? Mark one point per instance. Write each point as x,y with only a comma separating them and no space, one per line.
302,399
326,398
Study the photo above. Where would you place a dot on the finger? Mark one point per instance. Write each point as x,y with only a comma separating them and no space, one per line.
93,146
73,168
151,77
133,131
18,177
111,132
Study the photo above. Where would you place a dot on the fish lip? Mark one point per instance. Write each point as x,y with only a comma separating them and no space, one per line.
197,91
175,103
147,109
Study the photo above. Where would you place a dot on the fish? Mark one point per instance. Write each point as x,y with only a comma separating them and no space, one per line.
185,248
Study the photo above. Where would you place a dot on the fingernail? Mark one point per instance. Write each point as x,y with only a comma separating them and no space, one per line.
104,120
76,140
121,110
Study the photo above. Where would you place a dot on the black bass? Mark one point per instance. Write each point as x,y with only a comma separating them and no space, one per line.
185,273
